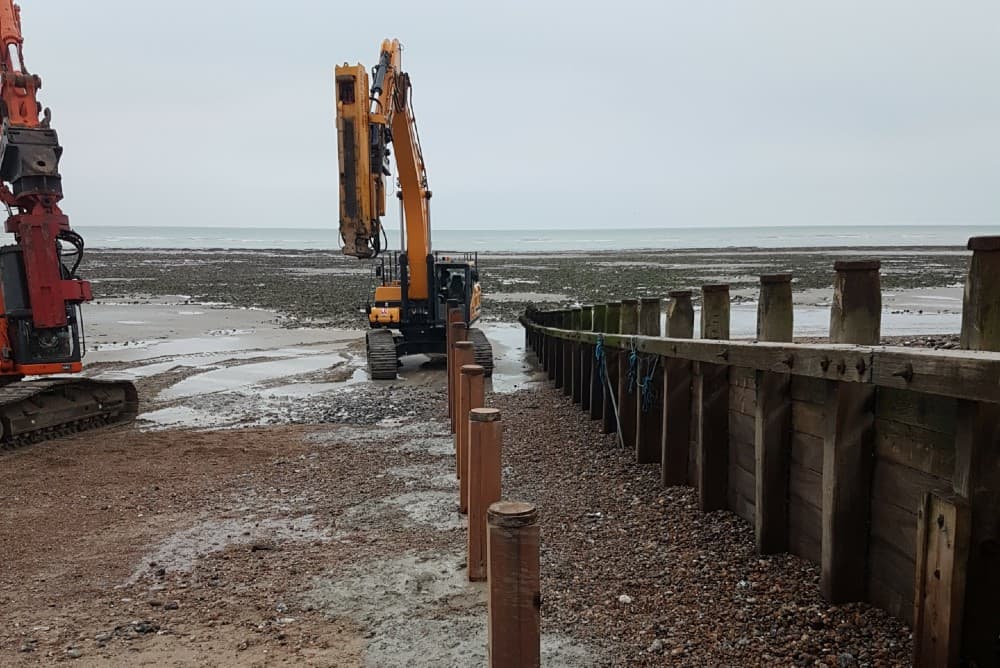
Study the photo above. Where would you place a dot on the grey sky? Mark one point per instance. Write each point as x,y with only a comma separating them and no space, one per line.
533,114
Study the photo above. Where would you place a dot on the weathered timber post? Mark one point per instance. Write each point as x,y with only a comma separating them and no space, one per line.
575,389
628,374
773,420
977,461
472,387
459,332
596,381
612,322
485,439
514,588
465,353
856,314
649,376
774,309
551,358
680,315
676,443
849,441
454,314
560,356
585,355
715,312
941,558
711,401
537,340
569,351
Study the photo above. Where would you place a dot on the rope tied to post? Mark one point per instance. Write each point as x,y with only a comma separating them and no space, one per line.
602,371
633,367
648,389
601,357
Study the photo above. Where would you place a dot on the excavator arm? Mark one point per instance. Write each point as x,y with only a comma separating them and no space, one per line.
40,294
32,189
374,118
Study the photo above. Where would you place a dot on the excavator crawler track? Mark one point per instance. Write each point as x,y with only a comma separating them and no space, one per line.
382,358
39,410
483,351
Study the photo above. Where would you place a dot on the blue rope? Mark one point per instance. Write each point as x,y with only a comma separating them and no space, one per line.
601,358
633,370
648,389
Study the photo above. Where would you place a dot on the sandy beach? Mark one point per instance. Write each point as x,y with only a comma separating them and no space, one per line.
271,504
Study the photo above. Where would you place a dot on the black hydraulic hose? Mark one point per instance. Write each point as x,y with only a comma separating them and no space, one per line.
76,241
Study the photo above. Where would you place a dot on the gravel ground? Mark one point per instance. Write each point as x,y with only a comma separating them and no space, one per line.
638,571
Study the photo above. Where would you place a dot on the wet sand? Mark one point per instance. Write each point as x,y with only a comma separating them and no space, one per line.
210,366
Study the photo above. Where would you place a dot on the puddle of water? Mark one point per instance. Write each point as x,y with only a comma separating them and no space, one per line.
183,416
231,378
327,271
511,370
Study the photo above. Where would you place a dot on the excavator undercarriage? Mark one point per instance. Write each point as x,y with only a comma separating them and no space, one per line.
39,410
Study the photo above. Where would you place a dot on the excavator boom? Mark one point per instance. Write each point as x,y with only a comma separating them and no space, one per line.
40,292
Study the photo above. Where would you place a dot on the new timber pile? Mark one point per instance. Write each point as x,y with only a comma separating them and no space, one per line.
881,464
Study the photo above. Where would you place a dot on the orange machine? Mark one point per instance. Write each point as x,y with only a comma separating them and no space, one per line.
374,119
40,292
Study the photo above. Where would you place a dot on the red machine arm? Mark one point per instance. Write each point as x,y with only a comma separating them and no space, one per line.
32,186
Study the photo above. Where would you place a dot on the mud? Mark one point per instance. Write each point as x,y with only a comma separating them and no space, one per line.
320,287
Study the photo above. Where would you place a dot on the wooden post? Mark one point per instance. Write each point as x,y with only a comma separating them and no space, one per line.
514,588
677,395
612,325
454,315
774,309
849,442
586,354
628,375
576,388
465,353
569,351
680,315
596,382
649,409
485,437
560,354
856,315
939,594
773,420
472,387
977,461
715,312
459,332
980,314
711,401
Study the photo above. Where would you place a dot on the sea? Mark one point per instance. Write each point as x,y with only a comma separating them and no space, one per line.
547,240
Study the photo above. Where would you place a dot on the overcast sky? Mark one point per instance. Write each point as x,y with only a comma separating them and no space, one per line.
532,114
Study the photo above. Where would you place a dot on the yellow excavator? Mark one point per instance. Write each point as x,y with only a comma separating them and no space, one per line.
408,312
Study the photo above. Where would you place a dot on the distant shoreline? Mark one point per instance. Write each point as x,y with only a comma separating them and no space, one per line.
900,248
533,241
